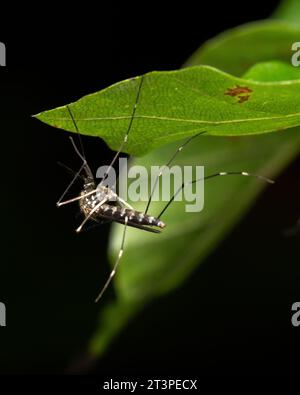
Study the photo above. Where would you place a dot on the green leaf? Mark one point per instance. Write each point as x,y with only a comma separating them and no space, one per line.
238,49
273,71
288,10
156,264
178,104
153,264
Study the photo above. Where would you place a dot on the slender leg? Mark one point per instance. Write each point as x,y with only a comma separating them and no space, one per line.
82,156
91,213
75,198
127,133
179,149
113,272
59,202
84,166
69,170
229,173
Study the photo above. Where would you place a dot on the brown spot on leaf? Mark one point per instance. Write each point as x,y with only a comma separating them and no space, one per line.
242,99
238,90
242,93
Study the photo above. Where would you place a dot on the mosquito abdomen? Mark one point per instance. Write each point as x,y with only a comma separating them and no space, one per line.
119,213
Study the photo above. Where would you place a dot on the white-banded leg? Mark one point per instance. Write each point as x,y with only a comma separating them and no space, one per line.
223,173
59,202
90,214
113,272
179,149
127,132
76,198
87,169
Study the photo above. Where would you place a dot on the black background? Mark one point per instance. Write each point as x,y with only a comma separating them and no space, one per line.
233,317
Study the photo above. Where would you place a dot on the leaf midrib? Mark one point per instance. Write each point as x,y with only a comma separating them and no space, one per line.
197,121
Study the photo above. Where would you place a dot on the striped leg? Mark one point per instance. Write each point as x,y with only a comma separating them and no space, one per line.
91,213
229,173
84,165
179,149
127,133
76,198
113,272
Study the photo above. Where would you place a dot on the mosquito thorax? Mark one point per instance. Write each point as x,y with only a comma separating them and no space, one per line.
104,192
86,202
92,196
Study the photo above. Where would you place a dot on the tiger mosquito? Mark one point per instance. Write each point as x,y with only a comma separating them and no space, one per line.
100,202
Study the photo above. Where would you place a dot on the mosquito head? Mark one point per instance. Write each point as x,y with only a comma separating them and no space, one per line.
89,184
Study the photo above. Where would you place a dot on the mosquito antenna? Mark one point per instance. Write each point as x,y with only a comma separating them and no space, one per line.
69,170
179,149
113,272
229,173
127,132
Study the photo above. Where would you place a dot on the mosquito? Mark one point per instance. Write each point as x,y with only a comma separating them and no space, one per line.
100,203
